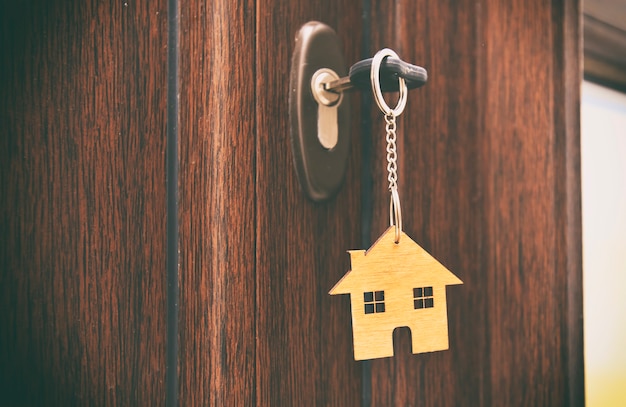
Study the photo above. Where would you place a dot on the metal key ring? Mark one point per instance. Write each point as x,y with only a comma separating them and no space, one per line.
375,79
395,213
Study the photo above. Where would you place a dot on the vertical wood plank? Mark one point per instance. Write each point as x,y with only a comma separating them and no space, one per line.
524,282
304,337
82,191
567,105
490,186
441,195
534,196
217,203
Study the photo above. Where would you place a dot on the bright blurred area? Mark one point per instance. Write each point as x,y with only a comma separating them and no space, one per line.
603,140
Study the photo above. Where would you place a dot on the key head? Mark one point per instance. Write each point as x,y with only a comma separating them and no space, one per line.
391,68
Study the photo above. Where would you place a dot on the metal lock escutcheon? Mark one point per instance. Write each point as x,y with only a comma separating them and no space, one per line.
319,119
319,106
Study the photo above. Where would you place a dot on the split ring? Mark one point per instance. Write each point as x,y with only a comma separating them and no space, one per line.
395,213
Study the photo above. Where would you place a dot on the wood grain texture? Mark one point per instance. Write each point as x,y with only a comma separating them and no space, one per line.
217,204
82,191
303,346
257,259
489,184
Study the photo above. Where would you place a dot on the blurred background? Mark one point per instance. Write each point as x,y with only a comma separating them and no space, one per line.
603,139
603,174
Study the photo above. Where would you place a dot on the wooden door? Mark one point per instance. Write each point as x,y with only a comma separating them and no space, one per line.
156,246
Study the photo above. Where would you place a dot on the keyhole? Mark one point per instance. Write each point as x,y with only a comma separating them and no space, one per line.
327,105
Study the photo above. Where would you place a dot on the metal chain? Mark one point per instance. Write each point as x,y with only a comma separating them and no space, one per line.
392,156
395,213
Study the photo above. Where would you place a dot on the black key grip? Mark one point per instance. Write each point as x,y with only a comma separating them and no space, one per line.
390,69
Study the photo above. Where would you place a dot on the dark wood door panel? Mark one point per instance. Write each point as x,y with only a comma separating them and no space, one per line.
217,203
82,167
257,259
304,339
490,184
442,196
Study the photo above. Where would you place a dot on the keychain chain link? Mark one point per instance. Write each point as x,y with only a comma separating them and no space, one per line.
392,156
395,212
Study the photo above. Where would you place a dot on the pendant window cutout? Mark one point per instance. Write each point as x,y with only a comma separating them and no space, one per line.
374,302
423,298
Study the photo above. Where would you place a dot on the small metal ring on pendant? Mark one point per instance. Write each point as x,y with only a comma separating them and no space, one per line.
375,79
395,213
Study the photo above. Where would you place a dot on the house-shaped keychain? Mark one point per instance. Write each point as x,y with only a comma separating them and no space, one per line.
396,285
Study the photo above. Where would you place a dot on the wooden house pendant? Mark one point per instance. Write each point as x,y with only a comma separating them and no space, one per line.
395,285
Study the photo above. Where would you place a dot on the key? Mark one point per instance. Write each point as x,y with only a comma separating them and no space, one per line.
391,68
